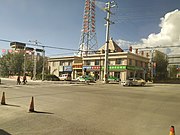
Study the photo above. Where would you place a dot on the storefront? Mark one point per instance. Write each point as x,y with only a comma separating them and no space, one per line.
65,70
77,70
94,71
124,71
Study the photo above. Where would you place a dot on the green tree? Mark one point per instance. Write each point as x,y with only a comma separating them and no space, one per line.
161,66
4,68
16,63
173,71
11,64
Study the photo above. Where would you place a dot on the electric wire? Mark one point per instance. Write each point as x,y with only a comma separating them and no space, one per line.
40,45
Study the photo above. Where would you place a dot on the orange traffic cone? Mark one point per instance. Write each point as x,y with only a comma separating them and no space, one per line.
31,108
3,102
172,131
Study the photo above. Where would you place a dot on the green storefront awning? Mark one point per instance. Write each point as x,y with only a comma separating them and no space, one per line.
121,68
134,68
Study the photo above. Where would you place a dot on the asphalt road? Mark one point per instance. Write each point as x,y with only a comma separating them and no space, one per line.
95,109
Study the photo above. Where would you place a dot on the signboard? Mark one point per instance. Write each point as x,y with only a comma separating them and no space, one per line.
95,67
77,66
68,68
91,68
116,67
87,68
134,68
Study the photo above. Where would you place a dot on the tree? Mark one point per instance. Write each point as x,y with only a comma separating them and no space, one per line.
11,64
161,63
4,70
173,71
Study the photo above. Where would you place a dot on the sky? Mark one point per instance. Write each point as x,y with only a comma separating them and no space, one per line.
58,23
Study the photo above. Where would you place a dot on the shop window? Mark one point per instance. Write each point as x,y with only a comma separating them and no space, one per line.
131,74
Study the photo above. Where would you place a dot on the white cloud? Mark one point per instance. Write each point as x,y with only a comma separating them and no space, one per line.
169,34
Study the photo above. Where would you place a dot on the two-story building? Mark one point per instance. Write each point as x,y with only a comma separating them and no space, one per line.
121,64
67,64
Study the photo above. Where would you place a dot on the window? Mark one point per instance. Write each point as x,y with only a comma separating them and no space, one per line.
88,62
118,61
96,62
60,63
69,63
131,74
53,63
136,63
130,62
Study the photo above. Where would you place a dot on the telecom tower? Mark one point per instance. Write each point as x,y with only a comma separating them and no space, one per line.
88,40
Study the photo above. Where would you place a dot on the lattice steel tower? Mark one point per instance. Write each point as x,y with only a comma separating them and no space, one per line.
88,40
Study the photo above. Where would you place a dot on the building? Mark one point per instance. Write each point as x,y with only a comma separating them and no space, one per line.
174,60
62,65
121,64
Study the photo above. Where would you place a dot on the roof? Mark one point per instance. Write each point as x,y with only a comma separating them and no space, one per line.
113,47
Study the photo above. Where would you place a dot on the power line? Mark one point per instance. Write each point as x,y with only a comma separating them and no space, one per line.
40,45
138,13
174,46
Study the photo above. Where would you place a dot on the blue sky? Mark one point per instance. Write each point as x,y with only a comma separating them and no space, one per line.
59,22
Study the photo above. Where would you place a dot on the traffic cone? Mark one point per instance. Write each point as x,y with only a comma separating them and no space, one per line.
172,131
3,102
31,108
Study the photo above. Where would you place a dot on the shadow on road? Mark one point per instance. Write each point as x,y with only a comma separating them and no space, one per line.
2,132
41,112
12,106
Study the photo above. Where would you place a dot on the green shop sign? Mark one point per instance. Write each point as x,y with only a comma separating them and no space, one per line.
120,68
117,68
134,68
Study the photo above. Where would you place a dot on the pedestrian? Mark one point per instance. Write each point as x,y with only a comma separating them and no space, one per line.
24,79
18,80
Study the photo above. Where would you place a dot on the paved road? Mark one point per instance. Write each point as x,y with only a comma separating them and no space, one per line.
96,109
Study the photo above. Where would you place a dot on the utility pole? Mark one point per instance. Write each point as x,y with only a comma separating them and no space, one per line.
24,60
108,22
43,53
35,60
152,64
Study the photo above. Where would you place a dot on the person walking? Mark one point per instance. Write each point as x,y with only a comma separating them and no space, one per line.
18,80
24,79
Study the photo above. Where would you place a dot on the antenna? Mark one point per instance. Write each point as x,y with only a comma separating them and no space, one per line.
88,39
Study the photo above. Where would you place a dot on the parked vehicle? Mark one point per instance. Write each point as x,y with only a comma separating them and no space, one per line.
113,79
85,78
65,77
51,77
134,82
